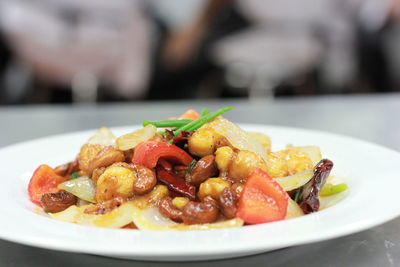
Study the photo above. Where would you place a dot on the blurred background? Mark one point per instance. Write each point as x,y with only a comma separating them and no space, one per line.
73,51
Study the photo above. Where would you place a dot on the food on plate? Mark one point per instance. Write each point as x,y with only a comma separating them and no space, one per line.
194,172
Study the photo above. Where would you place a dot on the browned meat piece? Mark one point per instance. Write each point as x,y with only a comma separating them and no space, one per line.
68,168
205,168
167,209
200,212
105,207
145,180
96,156
192,213
227,201
56,202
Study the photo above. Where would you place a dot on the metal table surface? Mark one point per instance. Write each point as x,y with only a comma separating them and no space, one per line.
369,117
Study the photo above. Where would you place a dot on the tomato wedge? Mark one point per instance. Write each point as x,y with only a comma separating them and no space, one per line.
148,153
262,199
190,114
44,180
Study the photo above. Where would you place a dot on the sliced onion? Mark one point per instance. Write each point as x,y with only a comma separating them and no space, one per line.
103,137
294,181
117,218
150,219
236,136
293,210
81,187
131,140
68,215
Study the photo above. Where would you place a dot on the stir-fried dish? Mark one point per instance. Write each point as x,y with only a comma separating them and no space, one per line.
198,171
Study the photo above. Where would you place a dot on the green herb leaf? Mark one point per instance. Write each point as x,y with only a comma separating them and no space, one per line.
194,125
204,112
297,195
74,175
191,165
168,123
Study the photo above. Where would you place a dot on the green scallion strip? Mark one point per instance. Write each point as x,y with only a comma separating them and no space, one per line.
168,123
191,165
74,175
194,125
204,112
330,189
297,195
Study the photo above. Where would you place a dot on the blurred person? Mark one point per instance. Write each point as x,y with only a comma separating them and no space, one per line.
82,45
182,44
322,25
375,21
391,44
185,67
4,59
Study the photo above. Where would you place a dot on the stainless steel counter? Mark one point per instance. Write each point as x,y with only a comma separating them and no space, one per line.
374,118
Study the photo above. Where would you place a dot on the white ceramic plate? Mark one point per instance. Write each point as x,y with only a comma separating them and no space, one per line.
371,171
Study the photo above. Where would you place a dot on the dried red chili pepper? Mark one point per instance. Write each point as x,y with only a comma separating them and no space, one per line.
308,198
165,164
176,183
181,140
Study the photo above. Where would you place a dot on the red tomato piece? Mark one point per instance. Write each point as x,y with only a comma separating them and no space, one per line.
262,199
148,153
190,114
44,180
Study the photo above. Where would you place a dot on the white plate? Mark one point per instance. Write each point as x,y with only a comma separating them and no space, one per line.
372,173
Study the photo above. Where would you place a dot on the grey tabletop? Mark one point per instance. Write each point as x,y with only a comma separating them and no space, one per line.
369,117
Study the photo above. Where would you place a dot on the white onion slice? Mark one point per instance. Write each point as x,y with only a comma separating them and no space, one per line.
68,215
293,210
131,140
116,218
150,219
236,136
81,187
294,181
103,137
